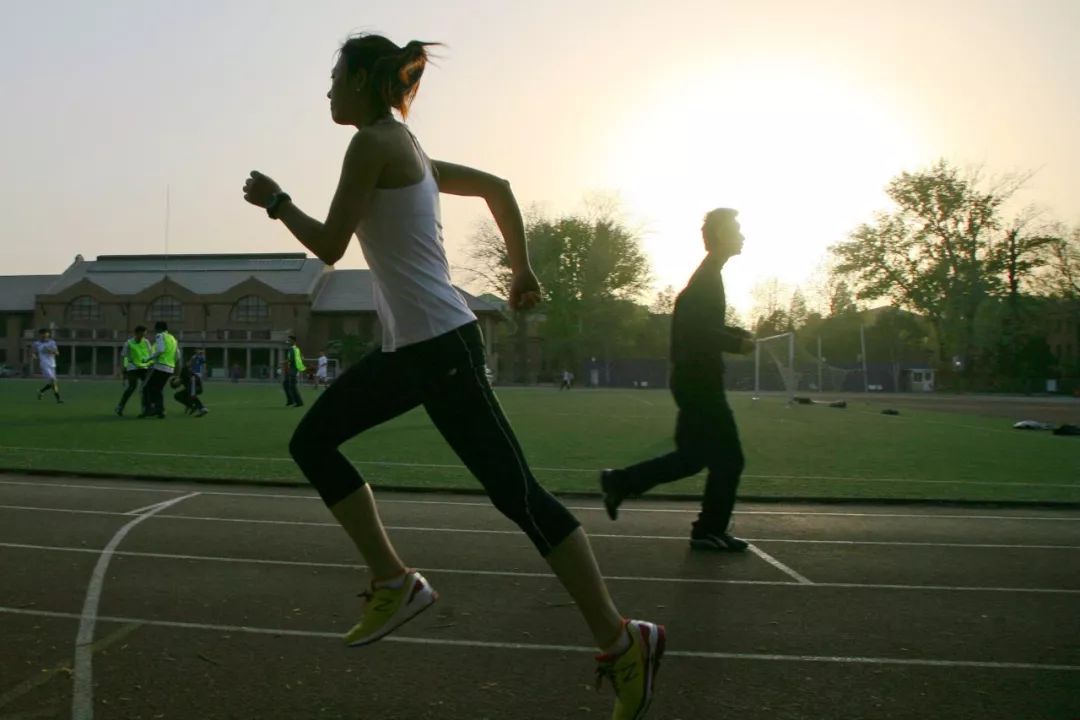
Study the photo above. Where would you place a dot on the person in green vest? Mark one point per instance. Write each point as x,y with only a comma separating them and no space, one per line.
163,361
135,357
294,365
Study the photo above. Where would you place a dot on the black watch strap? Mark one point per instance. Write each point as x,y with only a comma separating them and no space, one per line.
275,203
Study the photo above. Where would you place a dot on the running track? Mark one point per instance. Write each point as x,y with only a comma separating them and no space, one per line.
137,600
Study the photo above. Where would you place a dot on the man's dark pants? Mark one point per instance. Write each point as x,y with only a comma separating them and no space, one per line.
133,378
152,392
705,437
292,392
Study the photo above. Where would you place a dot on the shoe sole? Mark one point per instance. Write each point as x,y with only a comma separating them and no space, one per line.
656,639
391,627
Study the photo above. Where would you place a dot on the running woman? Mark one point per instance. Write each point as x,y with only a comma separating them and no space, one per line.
45,351
432,355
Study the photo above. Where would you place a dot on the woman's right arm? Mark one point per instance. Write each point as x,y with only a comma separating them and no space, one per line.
462,180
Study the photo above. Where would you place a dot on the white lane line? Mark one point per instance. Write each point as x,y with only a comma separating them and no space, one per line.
578,508
801,579
907,543
82,700
452,466
549,576
146,508
45,482
536,647
518,533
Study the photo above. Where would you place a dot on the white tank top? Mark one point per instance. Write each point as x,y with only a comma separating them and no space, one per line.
401,236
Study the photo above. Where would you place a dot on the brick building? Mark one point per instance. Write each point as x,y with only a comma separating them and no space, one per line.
240,308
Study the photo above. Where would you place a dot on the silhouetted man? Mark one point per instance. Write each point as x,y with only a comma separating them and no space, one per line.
705,432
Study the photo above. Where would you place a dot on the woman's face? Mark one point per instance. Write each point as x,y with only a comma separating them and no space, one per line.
344,94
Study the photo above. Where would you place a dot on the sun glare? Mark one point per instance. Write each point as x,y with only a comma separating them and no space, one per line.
803,156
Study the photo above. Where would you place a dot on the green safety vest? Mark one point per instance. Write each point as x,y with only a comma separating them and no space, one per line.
297,358
138,352
168,358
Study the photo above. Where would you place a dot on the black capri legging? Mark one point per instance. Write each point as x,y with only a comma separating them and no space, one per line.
445,375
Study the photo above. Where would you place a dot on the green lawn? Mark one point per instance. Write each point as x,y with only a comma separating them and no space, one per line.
807,451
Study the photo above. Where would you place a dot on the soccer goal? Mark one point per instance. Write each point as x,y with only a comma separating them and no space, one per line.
778,373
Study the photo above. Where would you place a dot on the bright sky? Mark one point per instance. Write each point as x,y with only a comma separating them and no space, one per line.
796,113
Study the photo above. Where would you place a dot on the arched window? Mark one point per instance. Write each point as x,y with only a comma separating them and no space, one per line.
251,308
165,307
84,308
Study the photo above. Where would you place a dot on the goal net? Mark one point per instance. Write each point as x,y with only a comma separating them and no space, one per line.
774,365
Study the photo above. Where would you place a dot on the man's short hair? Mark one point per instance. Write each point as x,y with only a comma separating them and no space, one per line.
161,325
42,331
718,215
140,328
293,338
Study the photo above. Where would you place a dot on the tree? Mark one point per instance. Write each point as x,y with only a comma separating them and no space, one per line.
731,316
840,299
1064,263
591,269
771,298
934,254
1018,255
349,349
797,310
664,303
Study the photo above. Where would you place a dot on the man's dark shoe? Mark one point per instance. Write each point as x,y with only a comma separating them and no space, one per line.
716,541
613,497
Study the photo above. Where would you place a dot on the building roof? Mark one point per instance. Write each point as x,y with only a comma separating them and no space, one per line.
288,273
350,291
18,293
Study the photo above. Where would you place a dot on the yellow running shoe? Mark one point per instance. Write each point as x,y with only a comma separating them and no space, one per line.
387,609
633,673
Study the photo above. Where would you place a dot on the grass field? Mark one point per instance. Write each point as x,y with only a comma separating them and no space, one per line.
800,451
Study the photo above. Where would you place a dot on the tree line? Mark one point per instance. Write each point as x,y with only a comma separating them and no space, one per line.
954,278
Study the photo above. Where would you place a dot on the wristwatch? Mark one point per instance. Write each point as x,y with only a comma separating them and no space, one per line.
275,203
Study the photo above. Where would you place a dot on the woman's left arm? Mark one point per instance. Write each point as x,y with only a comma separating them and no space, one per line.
328,240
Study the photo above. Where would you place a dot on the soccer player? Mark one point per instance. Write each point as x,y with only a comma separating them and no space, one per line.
189,387
291,369
45,351
432,354
162,361
135,357
198,364
705,432
320,370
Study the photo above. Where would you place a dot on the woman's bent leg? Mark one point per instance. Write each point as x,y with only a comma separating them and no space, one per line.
368,394
467,413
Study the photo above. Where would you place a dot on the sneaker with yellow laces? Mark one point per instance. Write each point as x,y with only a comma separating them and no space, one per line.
388,608
633,672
